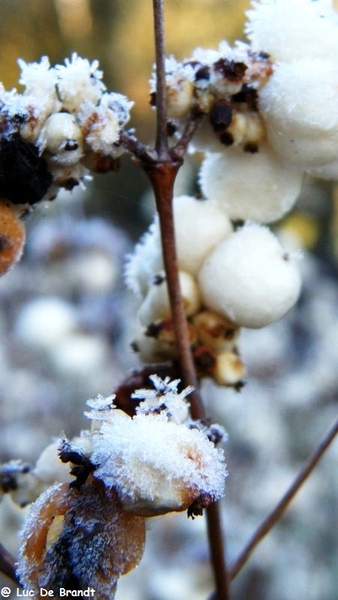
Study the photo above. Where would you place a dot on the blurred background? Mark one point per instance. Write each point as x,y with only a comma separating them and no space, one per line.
66,322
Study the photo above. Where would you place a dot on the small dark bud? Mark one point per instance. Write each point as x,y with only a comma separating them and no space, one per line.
220,115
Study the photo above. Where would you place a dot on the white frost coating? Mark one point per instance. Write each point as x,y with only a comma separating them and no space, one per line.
302,28
156,304
39,79
157,465
78,80
259,187
165,397
250,278
153,460
299,106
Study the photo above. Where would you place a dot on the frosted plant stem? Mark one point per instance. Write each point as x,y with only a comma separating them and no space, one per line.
7,565
282,505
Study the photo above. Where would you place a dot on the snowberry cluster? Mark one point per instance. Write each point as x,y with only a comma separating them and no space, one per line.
235,278
270,116
63,126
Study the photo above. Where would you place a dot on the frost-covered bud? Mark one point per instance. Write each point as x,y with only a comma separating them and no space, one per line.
228,369
79,538
62,137
156,464
250,278
78,81
299,107
259,187
215,330
156,304
12,236
304,29
101,124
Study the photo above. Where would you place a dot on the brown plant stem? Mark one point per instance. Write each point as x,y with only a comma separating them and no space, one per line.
218,551
7,565
162,176
282,505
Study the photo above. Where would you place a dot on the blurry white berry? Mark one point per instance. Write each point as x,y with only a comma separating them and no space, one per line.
250,278
259,187
299,106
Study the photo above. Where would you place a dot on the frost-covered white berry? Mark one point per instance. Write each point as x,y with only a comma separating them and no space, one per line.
259,187
62,137
155,463
293,29
156,303
102,123
78,80
299,107
250,278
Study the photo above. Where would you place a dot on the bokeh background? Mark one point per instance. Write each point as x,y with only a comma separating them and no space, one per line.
66,322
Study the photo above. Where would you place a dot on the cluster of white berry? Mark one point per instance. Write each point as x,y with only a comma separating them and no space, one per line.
65,112
270,116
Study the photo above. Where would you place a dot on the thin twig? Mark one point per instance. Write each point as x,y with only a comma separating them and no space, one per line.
7,565
189,130
218,551
278,511
161,91
162,177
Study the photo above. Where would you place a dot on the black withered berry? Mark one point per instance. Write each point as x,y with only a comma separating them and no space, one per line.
24,175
